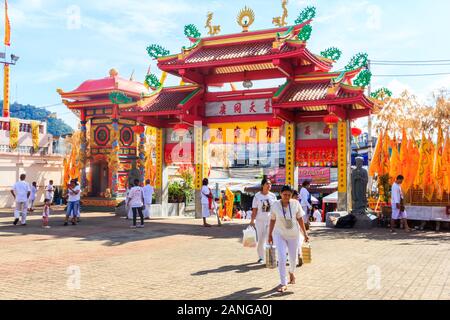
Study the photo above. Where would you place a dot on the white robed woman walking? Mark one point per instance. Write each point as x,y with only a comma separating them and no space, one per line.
286,223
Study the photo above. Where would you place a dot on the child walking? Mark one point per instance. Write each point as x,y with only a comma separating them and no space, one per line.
46,214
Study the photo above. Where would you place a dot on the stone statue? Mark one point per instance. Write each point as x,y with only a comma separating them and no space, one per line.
133,174
360,179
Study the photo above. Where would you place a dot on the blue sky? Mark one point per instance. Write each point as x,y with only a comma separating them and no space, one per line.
62,43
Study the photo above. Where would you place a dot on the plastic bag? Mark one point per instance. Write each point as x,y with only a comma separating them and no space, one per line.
249,239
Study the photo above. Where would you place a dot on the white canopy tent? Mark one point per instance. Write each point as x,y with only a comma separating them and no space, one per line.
332,198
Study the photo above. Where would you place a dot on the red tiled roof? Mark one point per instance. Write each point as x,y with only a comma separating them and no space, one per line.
166,100
298,92
235,51
110,84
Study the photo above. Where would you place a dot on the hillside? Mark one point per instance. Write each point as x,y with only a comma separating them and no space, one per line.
56,127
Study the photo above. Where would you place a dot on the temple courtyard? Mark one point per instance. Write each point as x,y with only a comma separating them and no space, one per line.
176,258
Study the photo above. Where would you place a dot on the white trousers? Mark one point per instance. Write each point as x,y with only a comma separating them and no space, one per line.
21,210
147,210
306,216
281,243
262,232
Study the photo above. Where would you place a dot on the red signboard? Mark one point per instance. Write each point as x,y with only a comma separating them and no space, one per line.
316,175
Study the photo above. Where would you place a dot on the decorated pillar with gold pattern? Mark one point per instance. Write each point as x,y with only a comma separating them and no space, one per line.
342,165
114,154
142,142
198,163
83,150
291,168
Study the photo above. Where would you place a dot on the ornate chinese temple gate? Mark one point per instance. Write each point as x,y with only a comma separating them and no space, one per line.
310,113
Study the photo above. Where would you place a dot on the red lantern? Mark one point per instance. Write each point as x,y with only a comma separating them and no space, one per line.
331,120
180,129
356,132
275,123
138,129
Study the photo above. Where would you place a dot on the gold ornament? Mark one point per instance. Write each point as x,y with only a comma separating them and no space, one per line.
213,30
281,21
246,18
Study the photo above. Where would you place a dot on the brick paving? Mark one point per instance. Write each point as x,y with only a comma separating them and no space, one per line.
176,258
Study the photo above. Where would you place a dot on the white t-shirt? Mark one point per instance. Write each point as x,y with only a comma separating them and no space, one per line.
21,189
264,204
293,212
148,194
49,192
317,216
33,193
397,194
135,197
205,192
304,196
73,196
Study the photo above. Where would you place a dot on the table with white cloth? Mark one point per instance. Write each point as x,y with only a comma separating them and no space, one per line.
427,213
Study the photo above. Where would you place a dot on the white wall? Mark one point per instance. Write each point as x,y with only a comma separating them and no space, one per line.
37,168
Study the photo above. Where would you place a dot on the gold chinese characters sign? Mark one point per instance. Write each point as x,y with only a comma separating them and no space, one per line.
290,154
159,157
342,156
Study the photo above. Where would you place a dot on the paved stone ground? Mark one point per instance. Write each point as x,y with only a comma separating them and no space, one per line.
178,259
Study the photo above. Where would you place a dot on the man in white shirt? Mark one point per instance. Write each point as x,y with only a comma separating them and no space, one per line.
73,203
148,197
304,201
398,209
50,191
21,192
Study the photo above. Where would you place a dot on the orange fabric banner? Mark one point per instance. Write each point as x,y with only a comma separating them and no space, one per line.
376,159
394,164
7,26
438,167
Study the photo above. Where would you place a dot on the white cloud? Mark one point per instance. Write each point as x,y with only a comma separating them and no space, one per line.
374,19
65,68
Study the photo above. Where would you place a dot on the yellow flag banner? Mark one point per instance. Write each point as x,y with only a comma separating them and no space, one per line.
66,176
429,183
376,159
385,164
446,166
410,165
7,26
438,168
35,134
229,203
418,182
394,165
13,133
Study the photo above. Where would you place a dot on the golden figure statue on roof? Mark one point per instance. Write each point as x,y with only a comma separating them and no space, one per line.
246,18
213,30
281,21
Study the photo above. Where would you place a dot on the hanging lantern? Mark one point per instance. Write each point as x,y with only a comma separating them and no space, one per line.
180,129
275,123
331,120
138,129
356,132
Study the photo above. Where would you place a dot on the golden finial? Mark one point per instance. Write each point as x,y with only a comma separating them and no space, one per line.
281,21
246,18
113,73
213,30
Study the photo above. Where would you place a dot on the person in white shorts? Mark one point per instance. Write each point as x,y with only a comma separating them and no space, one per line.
262,204
32,196
50,191
21,192
398,210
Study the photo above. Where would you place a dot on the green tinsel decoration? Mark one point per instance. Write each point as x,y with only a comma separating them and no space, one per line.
363,79
152,81
332,53
381,92
305,33
191,31
119,98
307,14
156,51
359,60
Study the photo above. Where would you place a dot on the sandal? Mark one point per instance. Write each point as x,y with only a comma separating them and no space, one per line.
282,289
